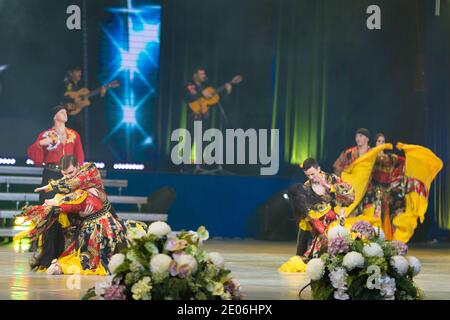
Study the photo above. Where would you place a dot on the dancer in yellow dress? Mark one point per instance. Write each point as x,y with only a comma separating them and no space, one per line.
401,187
397,182
314,204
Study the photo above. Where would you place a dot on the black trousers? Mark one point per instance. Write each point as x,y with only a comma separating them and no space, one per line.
302,242
53,238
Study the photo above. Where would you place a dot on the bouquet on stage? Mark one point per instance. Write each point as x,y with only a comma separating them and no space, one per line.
361,265
163,265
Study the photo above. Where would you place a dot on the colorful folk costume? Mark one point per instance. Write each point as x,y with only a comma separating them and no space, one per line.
90,240
392,191
315,213
345,159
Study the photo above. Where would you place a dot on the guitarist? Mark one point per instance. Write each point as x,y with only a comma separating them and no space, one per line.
72,84
195,89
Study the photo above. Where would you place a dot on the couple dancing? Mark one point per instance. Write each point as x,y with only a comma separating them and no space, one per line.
92,230
389,191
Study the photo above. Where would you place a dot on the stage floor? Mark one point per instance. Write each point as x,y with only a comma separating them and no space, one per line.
253,263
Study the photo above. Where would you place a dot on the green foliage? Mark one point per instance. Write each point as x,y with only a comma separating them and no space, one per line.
321,290
335,262
89,294
378,261
356,286
406,290
208,282
357,245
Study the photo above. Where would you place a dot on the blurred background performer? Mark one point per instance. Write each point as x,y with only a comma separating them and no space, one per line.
72,84
48,150
346,158
195,90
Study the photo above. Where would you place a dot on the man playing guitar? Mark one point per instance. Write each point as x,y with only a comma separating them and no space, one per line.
195,89
200,96
72,84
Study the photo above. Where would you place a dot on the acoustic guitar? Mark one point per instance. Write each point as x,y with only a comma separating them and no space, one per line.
202,105
81,98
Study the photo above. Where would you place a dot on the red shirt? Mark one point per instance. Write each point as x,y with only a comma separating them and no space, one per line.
54,152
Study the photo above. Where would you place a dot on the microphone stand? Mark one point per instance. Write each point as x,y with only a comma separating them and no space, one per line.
220,170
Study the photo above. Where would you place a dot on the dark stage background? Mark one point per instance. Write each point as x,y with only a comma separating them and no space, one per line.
311,69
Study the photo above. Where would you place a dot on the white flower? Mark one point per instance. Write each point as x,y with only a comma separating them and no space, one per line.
194,236
338,278
315,269
341,295
400,264
216,259
187,259
373,250
159,229
136,266
226,296
115,262
387,288
216,288
337,231
135,233
353,260
414,263
172,235
160,263
100,286
141,290
203,234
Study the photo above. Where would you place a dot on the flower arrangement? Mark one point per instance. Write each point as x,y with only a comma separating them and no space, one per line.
163,265
361,265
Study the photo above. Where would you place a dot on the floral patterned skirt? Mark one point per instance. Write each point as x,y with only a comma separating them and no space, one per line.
99,237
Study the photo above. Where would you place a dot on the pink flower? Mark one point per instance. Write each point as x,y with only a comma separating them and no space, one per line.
173,270
115,292
175,245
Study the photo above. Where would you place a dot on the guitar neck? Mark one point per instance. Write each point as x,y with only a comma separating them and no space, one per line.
94,92
220,89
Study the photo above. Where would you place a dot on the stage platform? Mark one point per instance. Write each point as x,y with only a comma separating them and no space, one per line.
253,263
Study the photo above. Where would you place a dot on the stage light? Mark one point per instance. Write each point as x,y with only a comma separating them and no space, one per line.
147,141
8,161
22,245
285,195
19,221
128,166
129,115
99,165
131,54
30,162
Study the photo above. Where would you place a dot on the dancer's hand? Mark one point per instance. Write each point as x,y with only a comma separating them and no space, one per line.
50,202
44,188
88,211
46,142
324,182
228,87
